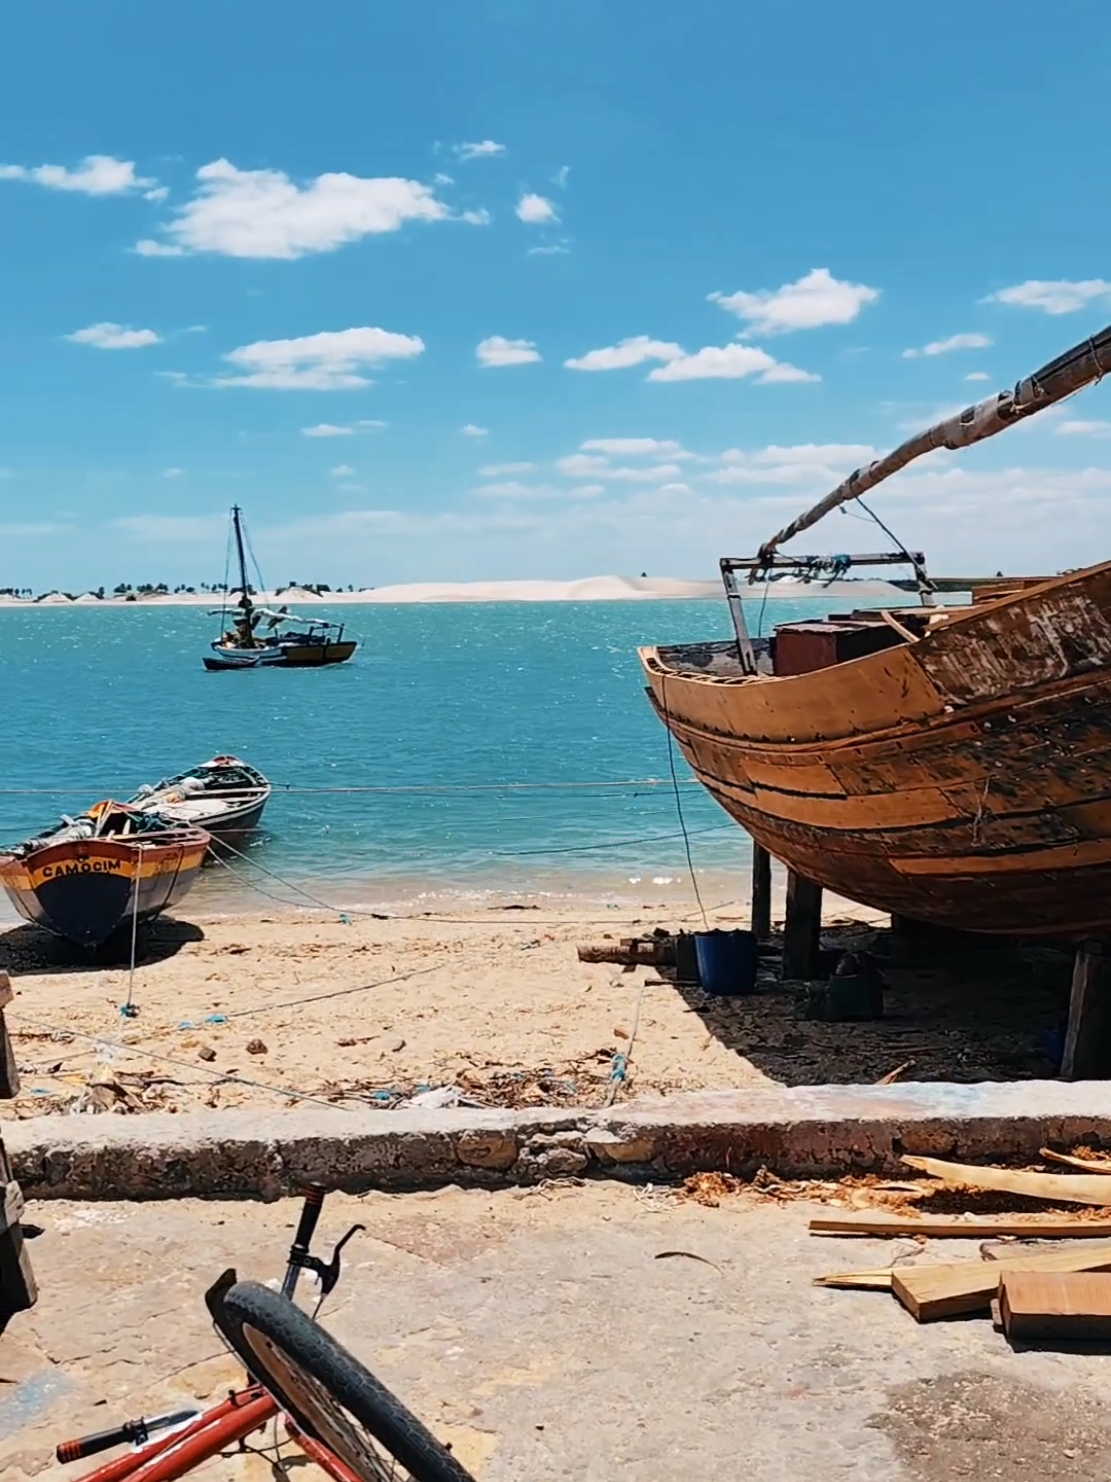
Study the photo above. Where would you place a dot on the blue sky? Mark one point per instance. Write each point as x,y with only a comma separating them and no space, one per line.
500,288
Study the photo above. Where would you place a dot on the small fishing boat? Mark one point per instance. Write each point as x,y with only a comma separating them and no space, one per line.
285,641
224,796
113,866
948,764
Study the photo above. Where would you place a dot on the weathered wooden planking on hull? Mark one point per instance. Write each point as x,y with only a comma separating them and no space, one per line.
964,778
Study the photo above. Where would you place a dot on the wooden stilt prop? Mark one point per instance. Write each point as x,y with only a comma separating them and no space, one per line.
802,931
17,1281
761,892
1087,1054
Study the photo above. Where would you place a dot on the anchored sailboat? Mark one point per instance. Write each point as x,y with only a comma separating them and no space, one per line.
277,645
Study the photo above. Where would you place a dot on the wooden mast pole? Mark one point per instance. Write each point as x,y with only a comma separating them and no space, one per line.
1084,364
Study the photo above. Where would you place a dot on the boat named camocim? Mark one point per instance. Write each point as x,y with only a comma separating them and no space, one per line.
951,765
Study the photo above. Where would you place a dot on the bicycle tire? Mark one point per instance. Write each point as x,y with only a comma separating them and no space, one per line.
314,1379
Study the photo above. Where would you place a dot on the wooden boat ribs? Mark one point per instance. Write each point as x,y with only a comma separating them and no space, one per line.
950,765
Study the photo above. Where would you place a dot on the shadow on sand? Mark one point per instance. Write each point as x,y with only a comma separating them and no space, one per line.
984,1011
30,949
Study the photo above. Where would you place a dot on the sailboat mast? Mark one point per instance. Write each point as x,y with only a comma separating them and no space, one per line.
236,516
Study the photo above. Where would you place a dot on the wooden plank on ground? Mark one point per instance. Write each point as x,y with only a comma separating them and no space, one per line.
961,1226
1070,1160
1048,1306
1064,1188
933,1291
867,1281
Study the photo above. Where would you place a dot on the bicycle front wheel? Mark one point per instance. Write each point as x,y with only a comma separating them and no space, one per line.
330,1394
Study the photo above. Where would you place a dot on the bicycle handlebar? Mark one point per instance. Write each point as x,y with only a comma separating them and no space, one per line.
133,1431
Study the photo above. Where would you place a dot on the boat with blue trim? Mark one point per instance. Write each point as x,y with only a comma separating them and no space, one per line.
113,866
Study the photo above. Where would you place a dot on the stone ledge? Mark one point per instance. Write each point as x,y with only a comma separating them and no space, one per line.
801,1132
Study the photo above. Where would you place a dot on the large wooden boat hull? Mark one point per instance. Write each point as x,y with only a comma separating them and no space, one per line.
87,889
964,779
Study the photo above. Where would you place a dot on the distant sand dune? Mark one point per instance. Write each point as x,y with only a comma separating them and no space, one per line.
586,589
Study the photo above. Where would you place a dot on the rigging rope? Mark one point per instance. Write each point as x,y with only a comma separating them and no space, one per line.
402,787
679,803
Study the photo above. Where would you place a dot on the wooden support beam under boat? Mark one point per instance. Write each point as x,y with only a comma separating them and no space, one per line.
9,1072
1087,1053
803,928
18,1291
761,892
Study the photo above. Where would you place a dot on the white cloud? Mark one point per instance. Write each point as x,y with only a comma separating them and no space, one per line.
977,376
633,351
1083,429
1027,520
332,429
814,300
954,342
173,529
800,463
729,363
780,371
536,210
512,489
173,473
807,454
147,247
590,466
96,175
633,447
497,350
582,466
504,470
262,213
652,473
1057,296
108,336
330,361
470,430
342,471
484,149
554,249
481,217
560,176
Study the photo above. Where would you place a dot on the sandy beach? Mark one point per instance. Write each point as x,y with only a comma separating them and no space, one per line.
283,1007
272,1009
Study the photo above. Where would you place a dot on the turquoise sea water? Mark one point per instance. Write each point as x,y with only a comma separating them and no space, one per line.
454,702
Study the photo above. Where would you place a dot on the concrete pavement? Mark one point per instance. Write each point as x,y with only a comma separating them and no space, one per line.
546,1333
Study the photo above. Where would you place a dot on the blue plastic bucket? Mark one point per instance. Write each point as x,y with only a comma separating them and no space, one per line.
726,962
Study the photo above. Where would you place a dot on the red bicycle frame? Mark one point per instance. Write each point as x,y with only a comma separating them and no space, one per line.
229,1423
